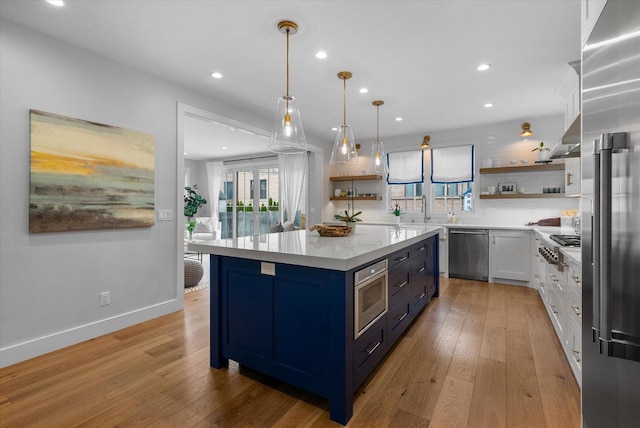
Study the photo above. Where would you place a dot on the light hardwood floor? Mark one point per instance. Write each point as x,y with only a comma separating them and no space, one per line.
480,355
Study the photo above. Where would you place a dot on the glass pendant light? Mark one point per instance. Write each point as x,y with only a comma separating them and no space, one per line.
344,148
288,135
378,161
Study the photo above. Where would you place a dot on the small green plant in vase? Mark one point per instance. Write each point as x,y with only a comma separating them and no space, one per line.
349,219
396,211
192,202
542,151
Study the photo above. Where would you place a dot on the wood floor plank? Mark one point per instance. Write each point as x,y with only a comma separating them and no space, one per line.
454,403
470,359
489,401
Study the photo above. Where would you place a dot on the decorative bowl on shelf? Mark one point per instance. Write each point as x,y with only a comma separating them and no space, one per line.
513,161
524,161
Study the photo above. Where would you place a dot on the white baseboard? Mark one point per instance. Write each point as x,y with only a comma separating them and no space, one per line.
23,351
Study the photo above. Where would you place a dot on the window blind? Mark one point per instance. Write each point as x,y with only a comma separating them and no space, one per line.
452,164
405,167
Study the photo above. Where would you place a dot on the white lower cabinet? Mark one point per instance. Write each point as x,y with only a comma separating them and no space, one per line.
560,288
510,256
443,254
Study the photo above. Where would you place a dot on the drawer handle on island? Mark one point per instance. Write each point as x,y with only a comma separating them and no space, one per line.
372,349
422,296
422,248
401,259
576,309
422,269
401,317
402,284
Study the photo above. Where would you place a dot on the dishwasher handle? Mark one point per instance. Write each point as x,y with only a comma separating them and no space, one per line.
468,232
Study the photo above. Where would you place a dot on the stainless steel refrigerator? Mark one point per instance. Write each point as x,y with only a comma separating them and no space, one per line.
611,218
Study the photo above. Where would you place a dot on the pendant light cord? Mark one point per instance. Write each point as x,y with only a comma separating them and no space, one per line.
345,103
377,124
288,30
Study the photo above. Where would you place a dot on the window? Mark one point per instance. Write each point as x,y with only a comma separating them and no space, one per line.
452,197
409,196
263,189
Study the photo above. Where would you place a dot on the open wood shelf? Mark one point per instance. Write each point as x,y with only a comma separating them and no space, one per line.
523,168
523,195
355,198
356,177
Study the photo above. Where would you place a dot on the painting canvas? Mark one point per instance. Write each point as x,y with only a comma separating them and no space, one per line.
89,176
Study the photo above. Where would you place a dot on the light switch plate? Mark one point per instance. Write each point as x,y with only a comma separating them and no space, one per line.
268,268
165,215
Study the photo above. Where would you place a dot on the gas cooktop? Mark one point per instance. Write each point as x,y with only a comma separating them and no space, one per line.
567,240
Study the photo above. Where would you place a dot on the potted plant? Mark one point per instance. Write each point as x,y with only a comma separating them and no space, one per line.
542,151
396,211
349,219
192,202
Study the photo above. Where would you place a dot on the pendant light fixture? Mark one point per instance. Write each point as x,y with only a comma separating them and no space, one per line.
378,161
526,130
344,148
288,135
425,143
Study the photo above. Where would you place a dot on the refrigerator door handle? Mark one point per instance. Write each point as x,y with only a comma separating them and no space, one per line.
612,343
595,239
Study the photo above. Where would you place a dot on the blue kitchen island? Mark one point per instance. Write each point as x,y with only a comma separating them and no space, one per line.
283,303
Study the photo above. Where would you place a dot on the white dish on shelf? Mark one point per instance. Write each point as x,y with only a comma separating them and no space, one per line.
513,161
524,161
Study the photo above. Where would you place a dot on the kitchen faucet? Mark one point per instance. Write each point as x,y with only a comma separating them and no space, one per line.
424,208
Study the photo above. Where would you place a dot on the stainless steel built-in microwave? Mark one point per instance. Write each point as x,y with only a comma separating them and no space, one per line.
370,296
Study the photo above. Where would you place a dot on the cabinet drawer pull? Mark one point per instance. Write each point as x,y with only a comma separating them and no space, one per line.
553,309
576,279
422,269
564,264
372,349
553,277
401,317
422,248
401,259
536,276
576,309
402,284
576,355
421,296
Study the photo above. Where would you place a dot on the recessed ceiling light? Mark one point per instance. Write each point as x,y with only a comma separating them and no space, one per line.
363,90
487,105
224,147
483,67
334,129
398,119
321,55
185,153
216,75
58,3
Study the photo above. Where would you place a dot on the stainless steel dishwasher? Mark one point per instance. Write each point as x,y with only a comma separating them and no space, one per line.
469,254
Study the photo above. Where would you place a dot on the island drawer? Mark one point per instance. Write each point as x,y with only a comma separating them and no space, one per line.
419,250
369,349
398,319
399,257
398,282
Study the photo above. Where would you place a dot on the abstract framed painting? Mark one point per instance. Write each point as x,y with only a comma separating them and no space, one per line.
89,176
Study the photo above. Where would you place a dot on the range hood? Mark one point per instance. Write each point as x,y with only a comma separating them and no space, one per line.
572,134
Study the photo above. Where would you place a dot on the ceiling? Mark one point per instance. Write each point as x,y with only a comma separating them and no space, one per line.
420,57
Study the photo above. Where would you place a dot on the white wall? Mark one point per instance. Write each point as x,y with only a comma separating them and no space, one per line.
497,141
49,283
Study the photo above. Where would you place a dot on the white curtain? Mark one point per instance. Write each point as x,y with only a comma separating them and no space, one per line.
292,168
405,167
214,177
452,164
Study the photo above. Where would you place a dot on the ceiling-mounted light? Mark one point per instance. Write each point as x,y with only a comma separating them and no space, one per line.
58,3
288,135
216,75
526,130
425,143
484,67
378,161
321,55
344,148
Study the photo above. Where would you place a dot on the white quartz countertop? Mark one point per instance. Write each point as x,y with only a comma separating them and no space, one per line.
573,253
459,225
305,248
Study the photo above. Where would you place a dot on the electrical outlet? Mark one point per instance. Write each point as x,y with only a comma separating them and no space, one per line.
105,298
